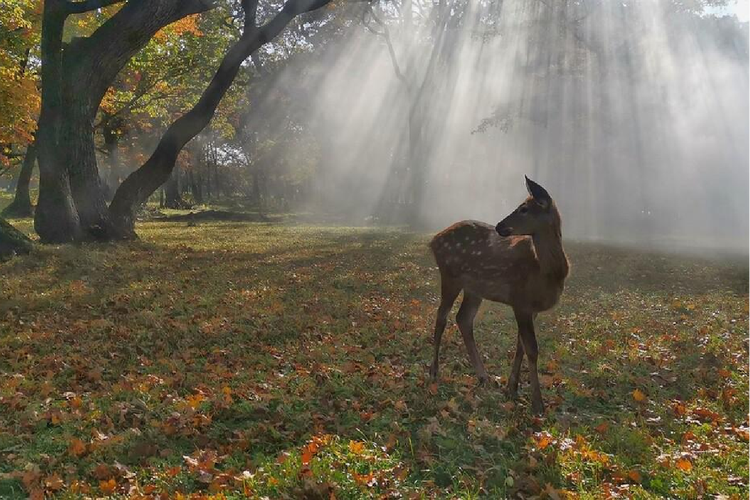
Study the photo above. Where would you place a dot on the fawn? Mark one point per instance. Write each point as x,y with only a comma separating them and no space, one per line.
520,262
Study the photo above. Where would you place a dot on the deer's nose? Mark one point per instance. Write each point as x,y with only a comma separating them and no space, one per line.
502,229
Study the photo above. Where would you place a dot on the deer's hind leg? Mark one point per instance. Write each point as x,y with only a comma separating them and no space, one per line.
465,319
528,339
449,290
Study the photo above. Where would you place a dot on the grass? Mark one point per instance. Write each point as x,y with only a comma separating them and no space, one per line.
236,359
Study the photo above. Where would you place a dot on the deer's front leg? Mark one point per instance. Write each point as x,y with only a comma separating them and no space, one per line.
528,339
515,370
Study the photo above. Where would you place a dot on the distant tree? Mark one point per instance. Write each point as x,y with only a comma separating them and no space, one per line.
21,204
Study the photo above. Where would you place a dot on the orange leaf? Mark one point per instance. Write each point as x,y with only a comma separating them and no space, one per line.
679,409
684,464
602,428
54,482
433,388
635,476
543,440
309,452
363,478
77,448
108,487
639,396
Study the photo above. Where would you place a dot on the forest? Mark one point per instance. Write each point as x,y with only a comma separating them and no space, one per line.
225,270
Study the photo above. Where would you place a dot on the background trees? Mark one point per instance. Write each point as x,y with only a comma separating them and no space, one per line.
19,96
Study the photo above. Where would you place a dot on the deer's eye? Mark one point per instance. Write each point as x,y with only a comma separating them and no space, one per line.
523,210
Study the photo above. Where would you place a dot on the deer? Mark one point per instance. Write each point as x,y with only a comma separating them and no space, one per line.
519,262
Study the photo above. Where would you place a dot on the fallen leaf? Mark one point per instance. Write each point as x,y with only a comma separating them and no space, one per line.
356,447
108,487
684,464
54,482
639,396
77,448
602,428
635,476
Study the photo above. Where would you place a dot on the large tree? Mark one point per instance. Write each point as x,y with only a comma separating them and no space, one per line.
75,77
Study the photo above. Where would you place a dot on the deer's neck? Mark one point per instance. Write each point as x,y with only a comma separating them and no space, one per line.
553,262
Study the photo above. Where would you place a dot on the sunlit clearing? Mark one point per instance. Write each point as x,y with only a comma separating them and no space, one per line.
634,117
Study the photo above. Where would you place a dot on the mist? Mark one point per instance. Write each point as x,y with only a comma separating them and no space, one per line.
634,116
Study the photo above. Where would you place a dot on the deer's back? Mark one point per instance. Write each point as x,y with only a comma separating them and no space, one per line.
502,269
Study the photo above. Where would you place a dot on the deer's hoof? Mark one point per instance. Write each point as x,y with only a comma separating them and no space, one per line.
537,407
433,372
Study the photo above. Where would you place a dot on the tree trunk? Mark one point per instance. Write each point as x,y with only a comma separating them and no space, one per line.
195,186
55,218
12,241
21,204
86,185
111,140
172,196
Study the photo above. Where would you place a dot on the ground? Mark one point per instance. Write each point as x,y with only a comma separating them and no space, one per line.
232,359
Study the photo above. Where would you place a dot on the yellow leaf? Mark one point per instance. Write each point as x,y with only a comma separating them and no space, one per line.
639,396
195,400
356,447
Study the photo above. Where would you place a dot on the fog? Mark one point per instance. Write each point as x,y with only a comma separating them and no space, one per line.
634,116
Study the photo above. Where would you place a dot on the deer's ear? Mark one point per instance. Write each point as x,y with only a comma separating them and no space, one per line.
539,194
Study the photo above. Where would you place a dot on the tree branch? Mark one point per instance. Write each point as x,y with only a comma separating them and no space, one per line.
139,185
88,5
250,7
386,35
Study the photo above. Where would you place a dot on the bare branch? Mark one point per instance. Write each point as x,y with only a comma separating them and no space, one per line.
387,37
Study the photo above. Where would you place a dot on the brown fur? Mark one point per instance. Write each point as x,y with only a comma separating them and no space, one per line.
525,269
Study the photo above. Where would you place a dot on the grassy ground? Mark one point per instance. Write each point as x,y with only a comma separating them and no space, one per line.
237,359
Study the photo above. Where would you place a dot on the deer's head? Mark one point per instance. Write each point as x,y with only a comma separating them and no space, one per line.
536,214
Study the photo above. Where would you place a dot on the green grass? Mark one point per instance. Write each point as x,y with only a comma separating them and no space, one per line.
290,361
